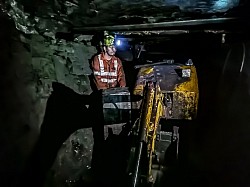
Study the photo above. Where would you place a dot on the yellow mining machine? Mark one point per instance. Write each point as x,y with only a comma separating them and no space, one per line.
168,93
169,99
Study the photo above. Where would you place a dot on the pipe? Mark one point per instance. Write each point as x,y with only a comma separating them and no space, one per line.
152,26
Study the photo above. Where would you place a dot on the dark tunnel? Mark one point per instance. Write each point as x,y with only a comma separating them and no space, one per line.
215,145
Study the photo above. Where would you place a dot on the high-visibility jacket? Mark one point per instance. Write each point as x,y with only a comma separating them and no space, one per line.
108,73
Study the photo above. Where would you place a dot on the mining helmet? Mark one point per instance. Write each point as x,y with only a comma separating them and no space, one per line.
109,39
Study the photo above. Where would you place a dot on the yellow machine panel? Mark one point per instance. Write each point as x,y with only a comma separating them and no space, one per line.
178,83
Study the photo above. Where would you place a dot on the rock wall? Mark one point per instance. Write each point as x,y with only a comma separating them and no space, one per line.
29,65
61,61
65,62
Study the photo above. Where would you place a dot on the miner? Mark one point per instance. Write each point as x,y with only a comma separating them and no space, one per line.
107,68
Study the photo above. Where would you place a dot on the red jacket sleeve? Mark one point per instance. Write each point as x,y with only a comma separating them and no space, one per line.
121,76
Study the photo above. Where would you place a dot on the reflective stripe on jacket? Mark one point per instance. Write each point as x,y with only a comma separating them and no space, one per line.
108,73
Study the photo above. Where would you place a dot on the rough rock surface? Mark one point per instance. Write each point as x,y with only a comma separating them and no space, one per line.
29,65
73,162
49,17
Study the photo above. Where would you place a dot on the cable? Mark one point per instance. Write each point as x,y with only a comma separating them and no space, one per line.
243,56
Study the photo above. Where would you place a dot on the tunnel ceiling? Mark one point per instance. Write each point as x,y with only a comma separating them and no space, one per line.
50,16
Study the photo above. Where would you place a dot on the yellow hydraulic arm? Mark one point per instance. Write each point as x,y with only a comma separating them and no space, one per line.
152,109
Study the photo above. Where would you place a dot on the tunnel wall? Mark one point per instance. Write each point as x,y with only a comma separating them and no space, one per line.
29,65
